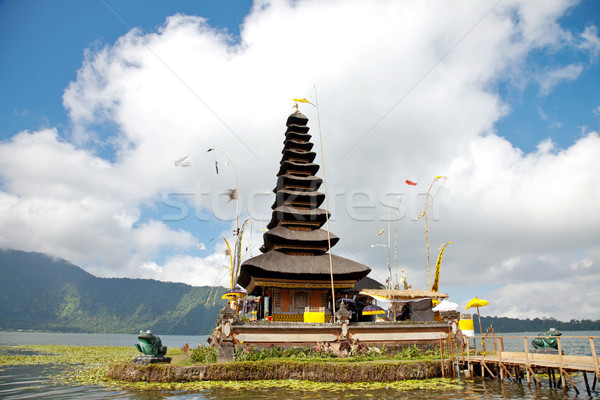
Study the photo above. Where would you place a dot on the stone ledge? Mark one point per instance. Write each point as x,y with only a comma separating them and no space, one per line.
147,359
318,371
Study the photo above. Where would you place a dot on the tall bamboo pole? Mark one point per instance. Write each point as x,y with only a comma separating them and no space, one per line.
326,207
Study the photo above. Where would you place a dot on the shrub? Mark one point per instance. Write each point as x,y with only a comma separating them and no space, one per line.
204,355
408,352
185,348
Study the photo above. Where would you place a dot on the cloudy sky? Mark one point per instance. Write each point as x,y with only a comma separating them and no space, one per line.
502,97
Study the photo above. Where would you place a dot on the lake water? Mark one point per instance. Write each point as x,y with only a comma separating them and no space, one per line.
34,382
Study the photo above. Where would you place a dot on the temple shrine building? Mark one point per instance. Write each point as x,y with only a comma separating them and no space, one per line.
293,275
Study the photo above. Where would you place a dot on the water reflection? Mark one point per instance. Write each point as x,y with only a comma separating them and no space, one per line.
34,382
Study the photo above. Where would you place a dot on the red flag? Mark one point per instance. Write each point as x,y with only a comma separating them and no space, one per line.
411,183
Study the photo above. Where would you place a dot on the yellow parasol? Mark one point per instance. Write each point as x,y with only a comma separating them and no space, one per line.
476,302
233,294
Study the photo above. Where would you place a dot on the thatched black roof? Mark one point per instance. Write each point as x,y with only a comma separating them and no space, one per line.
281,234
286,213
364,283
296,144
297,128
309,168
309,182
285,195
307,156
277,265
297,119
298,136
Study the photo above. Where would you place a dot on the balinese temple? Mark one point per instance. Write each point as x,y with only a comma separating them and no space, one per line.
293,274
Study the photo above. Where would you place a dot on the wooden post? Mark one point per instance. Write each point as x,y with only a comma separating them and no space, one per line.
469,365
560,363
596,368
442,358
549,377
482,358
527,360
501,372
587,385
500,363
452,356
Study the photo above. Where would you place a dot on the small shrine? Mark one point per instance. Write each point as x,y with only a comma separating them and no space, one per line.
293,275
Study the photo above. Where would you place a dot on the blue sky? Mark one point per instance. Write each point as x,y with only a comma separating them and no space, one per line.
46,40
501,97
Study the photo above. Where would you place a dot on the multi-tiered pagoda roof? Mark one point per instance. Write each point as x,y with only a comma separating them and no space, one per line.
295,247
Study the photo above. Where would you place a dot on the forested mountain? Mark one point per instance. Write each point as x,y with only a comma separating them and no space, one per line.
41,293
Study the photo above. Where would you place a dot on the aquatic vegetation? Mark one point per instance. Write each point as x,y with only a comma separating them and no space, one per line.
293,385
88,365
64,355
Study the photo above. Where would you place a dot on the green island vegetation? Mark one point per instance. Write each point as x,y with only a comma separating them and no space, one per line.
88,365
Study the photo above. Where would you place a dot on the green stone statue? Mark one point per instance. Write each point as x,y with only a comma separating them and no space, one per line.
150,345
549,342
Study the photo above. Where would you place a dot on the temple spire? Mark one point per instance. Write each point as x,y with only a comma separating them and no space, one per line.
295,246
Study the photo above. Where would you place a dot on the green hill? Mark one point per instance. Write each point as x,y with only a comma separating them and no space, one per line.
536,325
42,293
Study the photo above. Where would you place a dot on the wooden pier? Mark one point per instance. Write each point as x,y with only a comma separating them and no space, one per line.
528,364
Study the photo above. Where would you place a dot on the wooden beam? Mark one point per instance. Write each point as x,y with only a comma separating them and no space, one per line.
486,367
508,373
572,384
535,377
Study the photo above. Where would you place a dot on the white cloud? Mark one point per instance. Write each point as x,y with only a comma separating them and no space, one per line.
514,217
591,41
548,80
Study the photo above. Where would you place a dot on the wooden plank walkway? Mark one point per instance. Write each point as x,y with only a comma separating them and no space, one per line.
531,362
569,363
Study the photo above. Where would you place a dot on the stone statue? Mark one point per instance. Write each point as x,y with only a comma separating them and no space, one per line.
549,342
150,345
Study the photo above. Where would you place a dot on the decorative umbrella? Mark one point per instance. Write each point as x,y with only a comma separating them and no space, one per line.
234,294
446,305
373,309
345,300
476,302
